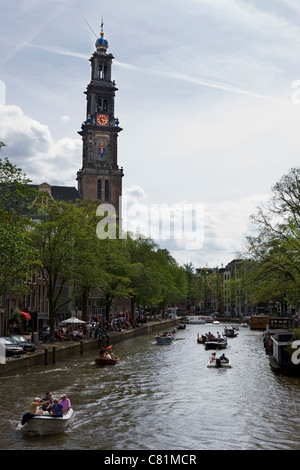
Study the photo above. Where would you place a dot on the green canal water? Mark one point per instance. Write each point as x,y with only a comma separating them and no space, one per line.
161,398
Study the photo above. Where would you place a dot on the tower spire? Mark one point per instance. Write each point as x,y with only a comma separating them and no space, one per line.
101,43
100,176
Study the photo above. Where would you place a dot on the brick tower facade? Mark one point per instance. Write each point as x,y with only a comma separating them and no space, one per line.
100,176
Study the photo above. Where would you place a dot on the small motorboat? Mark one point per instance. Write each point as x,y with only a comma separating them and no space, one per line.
196,320
230,333
215,344
165,338
201,339
106,360
219,362
46,424
181,326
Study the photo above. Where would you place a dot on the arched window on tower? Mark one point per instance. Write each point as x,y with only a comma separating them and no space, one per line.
102,105
99,189
102,71
106,191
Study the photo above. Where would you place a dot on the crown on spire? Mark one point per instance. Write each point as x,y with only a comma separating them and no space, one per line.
101,43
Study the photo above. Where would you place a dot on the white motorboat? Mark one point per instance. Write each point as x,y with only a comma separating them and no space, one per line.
196,320
219,364
165,338
46,424
230,332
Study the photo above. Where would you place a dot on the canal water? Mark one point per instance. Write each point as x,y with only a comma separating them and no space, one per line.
161,397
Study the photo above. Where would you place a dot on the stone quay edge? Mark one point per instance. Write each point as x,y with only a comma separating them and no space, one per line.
50,353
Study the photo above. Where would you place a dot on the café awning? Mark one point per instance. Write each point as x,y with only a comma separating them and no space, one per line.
26,315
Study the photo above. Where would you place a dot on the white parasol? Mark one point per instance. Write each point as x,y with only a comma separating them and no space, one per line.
72,320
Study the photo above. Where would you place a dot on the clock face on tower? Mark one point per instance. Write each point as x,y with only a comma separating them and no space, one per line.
102,120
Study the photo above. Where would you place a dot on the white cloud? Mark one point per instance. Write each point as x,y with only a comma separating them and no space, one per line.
65,118
217,238
30,145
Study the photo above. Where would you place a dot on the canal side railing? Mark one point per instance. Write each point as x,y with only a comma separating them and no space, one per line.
50,353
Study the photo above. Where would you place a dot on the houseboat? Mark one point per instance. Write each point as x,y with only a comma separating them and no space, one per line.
280,356
261,322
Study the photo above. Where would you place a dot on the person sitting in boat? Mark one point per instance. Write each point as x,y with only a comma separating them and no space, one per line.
35,406
47,399
213,357
223,358
57,408
65,402
108,352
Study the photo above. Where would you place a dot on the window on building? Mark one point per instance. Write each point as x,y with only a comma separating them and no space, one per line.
106,190
99,189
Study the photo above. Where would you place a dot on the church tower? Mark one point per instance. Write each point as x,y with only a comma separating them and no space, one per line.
100,177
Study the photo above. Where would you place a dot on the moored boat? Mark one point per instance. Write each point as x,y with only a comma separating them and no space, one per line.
196,320
46,424
208,319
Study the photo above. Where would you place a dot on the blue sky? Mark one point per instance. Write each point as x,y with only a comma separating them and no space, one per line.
208,101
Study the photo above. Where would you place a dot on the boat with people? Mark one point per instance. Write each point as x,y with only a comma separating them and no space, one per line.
106,361
165,338
46,423
230,332
106,357
219,362
181,326
215,344
201,339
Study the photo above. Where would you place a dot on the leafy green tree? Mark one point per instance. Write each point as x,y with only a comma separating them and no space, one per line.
274,248
192,285
58,236
87,254
17,254
114,268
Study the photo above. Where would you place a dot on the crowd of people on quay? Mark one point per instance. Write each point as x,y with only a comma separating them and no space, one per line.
99,325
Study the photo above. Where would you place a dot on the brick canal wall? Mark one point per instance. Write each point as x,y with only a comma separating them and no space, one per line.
47,353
